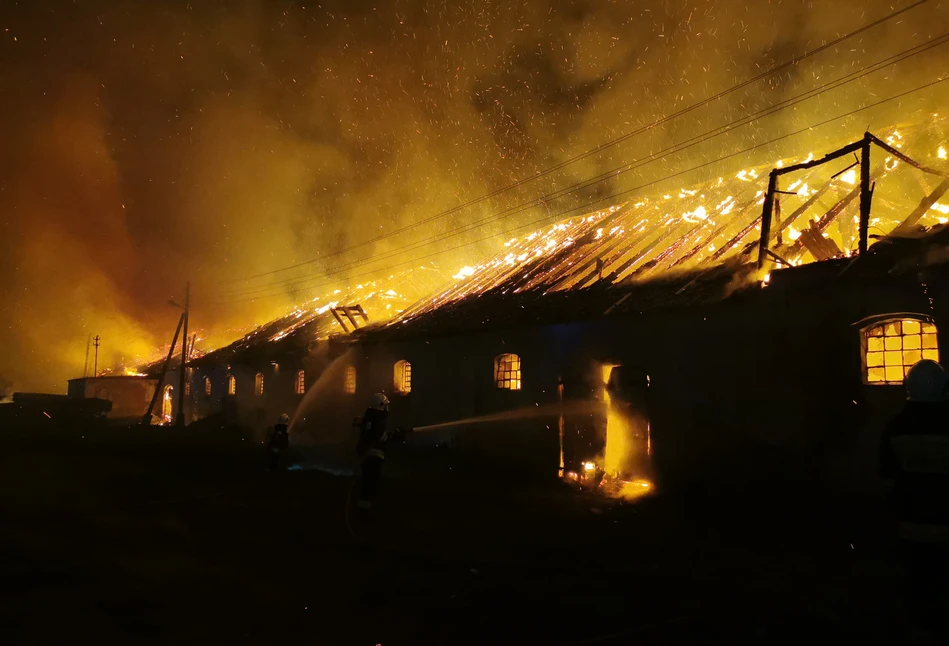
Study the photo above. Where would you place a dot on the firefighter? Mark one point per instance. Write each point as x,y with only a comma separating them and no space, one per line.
371,448
915,456
279,441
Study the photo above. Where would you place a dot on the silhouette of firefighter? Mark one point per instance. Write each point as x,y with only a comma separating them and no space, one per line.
373,437
915,456
278,441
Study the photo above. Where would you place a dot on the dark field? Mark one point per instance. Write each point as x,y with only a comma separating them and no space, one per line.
123,537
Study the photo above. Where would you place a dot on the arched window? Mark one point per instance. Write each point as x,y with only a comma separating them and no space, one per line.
402,377
350,384
207,386
259,384
301,382
891,348
231,385
507,372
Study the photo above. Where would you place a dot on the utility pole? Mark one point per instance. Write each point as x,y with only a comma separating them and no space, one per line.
95,369
180,421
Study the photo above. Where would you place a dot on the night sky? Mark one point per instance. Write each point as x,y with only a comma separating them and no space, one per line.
145,143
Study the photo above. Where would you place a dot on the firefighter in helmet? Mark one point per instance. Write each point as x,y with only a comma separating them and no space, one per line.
914,458
278,441
371,447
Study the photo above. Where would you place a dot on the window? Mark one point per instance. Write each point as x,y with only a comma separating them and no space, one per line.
402,377
350,384
207,386
231,385
301,382
892,347
188,382
507,372
259,384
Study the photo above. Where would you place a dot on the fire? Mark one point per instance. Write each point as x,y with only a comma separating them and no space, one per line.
626,489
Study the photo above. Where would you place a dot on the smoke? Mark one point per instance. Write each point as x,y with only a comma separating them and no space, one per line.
146,144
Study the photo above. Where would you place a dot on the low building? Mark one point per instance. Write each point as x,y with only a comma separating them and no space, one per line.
130,395
704,330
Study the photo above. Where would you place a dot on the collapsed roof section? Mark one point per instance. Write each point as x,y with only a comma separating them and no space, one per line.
708,225
320,318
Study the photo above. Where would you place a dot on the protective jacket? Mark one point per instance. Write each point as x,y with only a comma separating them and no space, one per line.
280,437
373,436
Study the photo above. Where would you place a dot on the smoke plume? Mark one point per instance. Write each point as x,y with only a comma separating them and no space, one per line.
149,143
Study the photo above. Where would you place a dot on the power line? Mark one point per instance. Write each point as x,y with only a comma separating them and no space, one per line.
662,154
595,150
613,196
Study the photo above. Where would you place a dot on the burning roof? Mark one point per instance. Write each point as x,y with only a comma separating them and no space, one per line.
699,228
674,248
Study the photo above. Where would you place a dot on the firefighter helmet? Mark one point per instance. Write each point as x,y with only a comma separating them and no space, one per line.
379,401
926,382
283,419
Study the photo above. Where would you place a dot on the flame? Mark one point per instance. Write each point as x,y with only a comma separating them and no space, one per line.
941,153
850,177
793,233
466,271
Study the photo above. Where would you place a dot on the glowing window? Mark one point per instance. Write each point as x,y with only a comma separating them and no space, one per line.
231,385
207,386
301,382
402,377
350,384
507,372
893,347
259,384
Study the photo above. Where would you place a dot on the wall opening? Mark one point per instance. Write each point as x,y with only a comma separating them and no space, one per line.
231,385
166,404
891,347
507,372
207,386
259,384
300,387
349,386
402,377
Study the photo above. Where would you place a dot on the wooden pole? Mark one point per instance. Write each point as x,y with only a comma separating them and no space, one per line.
766,212
147,417
95,366
180,420
866,192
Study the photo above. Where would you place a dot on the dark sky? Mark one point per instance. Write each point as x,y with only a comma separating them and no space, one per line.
145,143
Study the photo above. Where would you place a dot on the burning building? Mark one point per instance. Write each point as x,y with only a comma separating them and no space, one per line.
738,325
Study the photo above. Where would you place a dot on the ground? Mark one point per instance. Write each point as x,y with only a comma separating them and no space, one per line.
153,537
